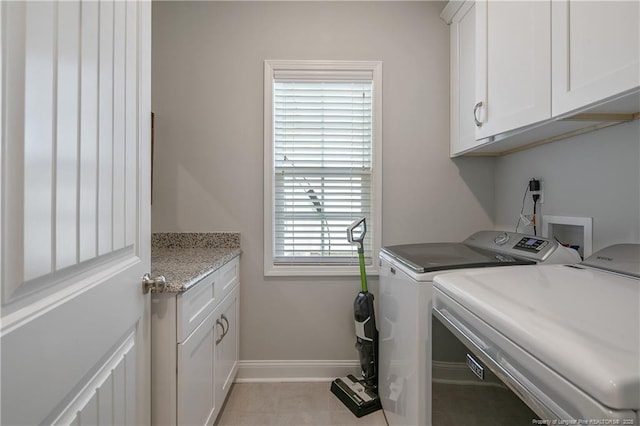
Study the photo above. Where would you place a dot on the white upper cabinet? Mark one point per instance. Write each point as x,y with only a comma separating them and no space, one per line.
533,72
513,65
463,86
596,52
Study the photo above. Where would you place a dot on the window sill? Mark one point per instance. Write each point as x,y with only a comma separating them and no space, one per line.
318,271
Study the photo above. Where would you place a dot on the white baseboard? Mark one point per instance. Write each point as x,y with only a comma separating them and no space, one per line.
255,371
295,370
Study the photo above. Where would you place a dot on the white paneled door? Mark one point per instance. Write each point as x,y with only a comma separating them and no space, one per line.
75,228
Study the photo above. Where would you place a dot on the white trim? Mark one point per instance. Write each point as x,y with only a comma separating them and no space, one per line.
293,74
270,68
451,9
319,271
322,65
253,371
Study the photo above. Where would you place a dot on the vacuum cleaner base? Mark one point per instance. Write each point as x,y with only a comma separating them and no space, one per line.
360,400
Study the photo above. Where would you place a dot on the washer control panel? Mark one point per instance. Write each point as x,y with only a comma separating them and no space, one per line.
530,244
530,247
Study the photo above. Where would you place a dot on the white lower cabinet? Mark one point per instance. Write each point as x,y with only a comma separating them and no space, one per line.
226,345
194,349
195,376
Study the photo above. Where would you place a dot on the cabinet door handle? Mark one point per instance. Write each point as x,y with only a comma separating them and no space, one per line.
218,322
475,114
224,318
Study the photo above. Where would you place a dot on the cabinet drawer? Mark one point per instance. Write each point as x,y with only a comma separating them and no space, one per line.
228,277
195,304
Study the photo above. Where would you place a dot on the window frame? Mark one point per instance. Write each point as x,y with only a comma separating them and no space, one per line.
314,69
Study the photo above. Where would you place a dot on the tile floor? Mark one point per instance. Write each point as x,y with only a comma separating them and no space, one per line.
281,404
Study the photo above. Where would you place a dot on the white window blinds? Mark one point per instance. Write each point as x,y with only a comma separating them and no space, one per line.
322,154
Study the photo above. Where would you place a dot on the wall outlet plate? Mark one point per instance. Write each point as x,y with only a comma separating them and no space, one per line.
540,192
541,199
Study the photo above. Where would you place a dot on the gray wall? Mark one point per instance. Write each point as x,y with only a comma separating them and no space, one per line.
594,175
208,96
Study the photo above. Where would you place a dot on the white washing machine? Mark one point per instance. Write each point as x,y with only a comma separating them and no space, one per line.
565,339
405,302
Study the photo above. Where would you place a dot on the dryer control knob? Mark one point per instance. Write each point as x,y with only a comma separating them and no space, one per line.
501,239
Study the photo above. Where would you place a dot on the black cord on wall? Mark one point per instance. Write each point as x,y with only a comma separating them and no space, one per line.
535,197
532,186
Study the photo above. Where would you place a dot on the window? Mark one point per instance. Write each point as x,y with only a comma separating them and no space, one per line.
322,156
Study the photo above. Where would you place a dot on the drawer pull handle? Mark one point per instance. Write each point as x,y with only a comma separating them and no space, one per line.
218,322
475,114
225,330
224,318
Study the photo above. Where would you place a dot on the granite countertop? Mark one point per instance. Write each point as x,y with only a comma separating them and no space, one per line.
186,258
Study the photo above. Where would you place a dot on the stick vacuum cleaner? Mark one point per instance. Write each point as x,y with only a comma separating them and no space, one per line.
360,395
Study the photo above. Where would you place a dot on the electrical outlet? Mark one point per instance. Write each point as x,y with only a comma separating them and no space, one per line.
536,186
541,192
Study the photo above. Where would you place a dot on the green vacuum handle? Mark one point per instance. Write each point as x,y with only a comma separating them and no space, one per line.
359,240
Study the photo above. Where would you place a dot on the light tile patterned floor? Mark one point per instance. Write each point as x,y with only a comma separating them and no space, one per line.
283,404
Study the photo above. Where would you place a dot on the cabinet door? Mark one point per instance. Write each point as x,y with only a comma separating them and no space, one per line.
227,345
596,51
513,65
196,393
463,56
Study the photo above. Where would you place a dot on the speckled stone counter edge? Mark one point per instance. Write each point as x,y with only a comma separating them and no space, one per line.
186,258
194,240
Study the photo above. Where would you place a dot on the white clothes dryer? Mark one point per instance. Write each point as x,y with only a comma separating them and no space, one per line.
405,301
565,339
